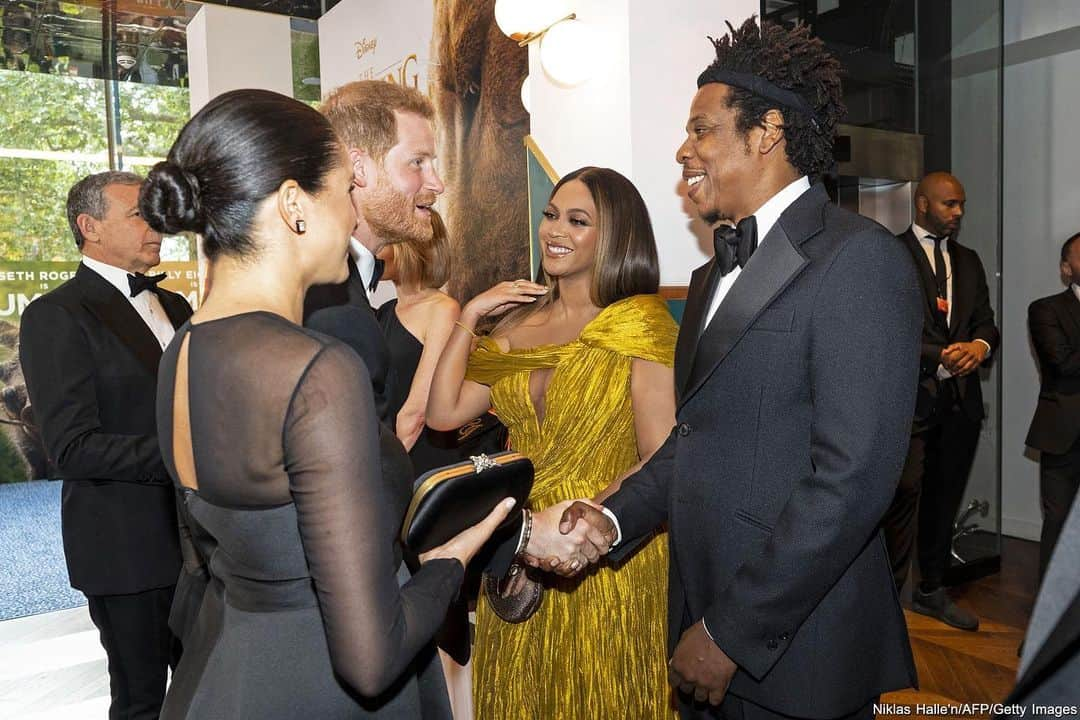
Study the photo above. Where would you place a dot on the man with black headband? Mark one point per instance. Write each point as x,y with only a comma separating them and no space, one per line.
795,370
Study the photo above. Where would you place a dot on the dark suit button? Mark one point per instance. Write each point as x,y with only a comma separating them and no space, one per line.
772,644
785,636
684,429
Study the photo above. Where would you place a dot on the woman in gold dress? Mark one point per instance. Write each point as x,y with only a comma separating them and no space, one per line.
579,369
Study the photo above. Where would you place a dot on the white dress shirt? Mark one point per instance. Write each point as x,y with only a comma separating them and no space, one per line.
927,244
1076,290
365,263
765,217
145,303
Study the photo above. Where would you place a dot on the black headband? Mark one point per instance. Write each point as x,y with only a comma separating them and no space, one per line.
762,88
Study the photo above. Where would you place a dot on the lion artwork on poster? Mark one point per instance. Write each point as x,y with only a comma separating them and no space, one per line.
475,83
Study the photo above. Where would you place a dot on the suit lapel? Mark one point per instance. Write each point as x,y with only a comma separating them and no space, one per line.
178,312
703,283
772,267
960,290
1071,304
355,286
929,283
115,312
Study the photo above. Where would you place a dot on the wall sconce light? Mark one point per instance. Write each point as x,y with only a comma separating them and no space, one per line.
567,52
526,98
567,46
526,20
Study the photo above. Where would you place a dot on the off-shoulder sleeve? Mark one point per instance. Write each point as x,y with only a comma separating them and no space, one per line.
488,363
374,628
639,326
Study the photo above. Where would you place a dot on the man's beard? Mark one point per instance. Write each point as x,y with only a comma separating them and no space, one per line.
392,216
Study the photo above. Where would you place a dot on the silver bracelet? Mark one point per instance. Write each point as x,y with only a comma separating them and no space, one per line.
526,531
706,628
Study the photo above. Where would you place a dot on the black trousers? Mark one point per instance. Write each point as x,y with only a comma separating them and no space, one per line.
1059,477
928,497
140,648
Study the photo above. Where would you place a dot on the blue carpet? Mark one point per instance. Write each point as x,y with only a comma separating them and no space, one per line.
33,576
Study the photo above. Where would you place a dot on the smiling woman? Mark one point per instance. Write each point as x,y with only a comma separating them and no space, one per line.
593,217
579,370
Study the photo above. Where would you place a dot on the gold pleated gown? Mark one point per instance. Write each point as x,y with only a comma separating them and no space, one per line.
597,647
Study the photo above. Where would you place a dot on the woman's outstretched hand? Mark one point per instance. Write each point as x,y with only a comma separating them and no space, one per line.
468,542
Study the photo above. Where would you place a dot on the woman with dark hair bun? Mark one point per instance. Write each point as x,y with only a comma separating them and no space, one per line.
270,432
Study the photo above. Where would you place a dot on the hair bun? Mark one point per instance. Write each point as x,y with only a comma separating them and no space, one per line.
170,202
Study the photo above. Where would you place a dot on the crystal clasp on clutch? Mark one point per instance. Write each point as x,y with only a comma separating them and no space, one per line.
482,462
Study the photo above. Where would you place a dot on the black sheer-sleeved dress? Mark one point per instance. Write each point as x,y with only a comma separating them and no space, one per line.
307,612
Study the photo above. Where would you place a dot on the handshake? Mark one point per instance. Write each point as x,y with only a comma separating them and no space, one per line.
567,537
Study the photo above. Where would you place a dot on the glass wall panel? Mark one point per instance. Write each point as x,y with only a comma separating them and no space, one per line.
922,83
53,131
305,60
975,75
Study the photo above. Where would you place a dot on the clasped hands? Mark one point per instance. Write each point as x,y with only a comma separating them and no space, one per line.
568,537
963,358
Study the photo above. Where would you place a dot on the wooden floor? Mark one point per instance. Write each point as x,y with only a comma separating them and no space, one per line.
957,667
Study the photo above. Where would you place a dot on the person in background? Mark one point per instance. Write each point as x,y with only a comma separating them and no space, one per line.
269,430
416,326
390,135
958,336
1054,323
90,351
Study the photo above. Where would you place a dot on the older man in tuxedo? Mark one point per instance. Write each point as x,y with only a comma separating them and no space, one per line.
90,351
795,371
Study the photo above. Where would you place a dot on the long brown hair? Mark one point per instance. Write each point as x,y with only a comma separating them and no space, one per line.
626,261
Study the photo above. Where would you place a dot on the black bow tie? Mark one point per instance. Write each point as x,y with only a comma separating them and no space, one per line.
376,274
735,245
139,282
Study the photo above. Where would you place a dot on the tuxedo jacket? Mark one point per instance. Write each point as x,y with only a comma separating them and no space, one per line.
90,364
972,319
1054,323
344,312
793,419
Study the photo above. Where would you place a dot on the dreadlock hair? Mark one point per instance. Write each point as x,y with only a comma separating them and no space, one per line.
793,60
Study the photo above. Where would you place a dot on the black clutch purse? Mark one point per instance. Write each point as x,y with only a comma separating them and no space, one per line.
453,498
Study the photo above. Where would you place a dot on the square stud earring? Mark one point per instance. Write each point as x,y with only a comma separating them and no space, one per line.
301,227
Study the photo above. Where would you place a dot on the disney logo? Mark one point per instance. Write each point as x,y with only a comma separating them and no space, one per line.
364,46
